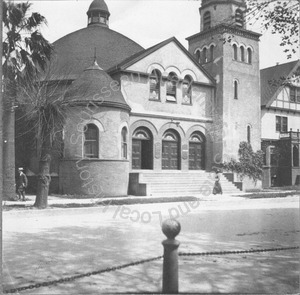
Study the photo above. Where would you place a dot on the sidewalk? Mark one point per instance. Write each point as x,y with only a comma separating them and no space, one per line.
61,201
71,202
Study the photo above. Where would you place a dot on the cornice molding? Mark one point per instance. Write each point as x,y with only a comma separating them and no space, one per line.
223,28
172,117
91,102
264,107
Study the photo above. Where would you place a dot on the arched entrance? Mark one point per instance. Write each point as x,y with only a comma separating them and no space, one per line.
170,150
197,151
142,149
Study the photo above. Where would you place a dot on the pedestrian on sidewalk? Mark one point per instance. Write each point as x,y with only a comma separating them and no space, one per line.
22,183
217,187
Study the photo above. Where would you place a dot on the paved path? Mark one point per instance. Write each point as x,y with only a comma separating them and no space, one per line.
45,245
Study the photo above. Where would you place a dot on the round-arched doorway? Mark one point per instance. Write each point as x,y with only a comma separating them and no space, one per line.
171,150
197,151
142,149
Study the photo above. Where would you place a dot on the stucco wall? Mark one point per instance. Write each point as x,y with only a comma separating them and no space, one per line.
233,116
220,13
94,178
158,126
170,58
282,100
244,111
268,122
107,175
135,89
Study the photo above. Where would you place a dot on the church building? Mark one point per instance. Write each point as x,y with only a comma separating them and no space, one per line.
156,121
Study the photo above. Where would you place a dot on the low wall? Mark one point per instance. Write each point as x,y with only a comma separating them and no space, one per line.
95,178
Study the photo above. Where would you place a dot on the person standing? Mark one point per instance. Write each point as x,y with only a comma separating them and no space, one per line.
217,187
22,183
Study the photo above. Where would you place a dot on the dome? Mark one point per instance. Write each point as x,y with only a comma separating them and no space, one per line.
95,85
75,52
98,5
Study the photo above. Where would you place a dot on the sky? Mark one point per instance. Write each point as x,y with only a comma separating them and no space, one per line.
147,22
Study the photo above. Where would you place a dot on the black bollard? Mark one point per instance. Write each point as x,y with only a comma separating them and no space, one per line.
171,229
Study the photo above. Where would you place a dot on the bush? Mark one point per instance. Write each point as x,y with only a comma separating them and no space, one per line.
250,163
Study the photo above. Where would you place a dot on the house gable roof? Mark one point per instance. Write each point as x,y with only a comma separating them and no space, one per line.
272,80
144,53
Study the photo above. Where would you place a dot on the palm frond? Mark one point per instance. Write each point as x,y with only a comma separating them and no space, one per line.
34,21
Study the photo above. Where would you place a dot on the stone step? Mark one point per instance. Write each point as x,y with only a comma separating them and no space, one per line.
181,183
189,185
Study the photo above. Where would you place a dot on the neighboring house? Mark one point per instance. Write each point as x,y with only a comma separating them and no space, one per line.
280,111
156,121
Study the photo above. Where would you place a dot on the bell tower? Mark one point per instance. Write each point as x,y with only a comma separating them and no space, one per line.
230,53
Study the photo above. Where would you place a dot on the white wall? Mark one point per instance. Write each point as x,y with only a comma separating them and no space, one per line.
268,123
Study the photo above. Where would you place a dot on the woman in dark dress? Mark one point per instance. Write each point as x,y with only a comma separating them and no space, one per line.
217,187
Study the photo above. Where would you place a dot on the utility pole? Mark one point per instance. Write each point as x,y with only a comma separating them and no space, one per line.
1,147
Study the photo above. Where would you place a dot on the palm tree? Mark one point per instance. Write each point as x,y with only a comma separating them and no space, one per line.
25,54
43,113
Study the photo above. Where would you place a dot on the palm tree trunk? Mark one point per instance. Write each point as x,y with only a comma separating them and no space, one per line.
43,182
9,188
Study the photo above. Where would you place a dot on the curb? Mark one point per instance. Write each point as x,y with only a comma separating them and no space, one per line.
132,200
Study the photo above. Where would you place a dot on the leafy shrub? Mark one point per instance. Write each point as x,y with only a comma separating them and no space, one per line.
250,163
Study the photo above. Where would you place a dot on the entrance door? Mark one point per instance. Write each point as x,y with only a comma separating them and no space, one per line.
142,149
195,156
170,151
136,154
196,152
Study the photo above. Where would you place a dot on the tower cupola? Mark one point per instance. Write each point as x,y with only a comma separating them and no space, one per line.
217,12
98,13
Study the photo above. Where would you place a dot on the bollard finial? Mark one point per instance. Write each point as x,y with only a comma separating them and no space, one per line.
171,228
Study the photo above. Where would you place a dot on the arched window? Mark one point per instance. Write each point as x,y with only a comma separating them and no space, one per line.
239,18
198,56
234,51
236,90
155,78
248,134
249,53
187,90
97,17
124,143
211,51
171,87
206,21
242,53
204,55
91,141
296,156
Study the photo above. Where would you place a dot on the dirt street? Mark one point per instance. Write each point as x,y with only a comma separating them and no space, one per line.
46,245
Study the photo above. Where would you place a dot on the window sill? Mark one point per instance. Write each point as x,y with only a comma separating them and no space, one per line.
186,104
171,101
154,99
242,62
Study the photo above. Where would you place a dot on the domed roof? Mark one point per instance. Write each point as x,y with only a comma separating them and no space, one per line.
95,85
75,52
97,5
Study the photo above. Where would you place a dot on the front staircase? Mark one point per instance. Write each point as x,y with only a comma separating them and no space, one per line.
176,183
